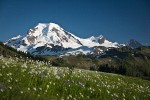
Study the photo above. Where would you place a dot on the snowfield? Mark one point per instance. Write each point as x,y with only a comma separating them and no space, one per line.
50,37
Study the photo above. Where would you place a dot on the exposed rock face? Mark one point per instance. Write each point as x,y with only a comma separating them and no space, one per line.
101,39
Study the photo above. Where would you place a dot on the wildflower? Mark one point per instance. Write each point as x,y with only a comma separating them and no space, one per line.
16,80
1,90
88,97
3,67
28,89
81,95
40,89
10,74
34,89
9,81
74,99
47,86
45,90
70,96
10,87
134,97
100,90
108,91
21,92
123,95
90,88
39,95
50,82
58,77
115,95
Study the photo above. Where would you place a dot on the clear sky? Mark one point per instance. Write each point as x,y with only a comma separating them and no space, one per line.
117,20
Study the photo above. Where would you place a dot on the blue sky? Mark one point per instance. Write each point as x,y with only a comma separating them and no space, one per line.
117,20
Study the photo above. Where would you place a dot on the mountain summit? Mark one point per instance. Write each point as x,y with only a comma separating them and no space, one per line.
133,43
50,38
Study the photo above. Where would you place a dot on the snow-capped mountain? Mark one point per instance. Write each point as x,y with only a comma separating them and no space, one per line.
51,39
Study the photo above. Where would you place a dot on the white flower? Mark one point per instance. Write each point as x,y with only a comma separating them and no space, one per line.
45,90
29,89
108,91
1,90
70,96
10,87
123,95
58,77
81,95
21,92
134,97
10,74
3,67
40,88
8,80
1,74
34,89
39,95
47,86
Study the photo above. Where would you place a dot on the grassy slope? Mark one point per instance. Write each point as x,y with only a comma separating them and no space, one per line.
34,80
136,62
5,50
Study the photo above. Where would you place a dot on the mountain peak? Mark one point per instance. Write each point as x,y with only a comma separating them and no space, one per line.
133,43
52,24
93,38
44,29
101,39
47,38
100,36
49,25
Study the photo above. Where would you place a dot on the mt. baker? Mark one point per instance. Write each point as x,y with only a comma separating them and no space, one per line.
51,39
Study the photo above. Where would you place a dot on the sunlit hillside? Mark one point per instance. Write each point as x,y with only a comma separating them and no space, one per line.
36,80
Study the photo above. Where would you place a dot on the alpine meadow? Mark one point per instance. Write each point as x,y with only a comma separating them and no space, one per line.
74,50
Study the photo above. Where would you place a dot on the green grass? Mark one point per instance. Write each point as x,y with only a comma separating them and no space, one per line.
36,80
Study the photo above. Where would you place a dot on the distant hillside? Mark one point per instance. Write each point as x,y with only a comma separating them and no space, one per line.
8,51
125,61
